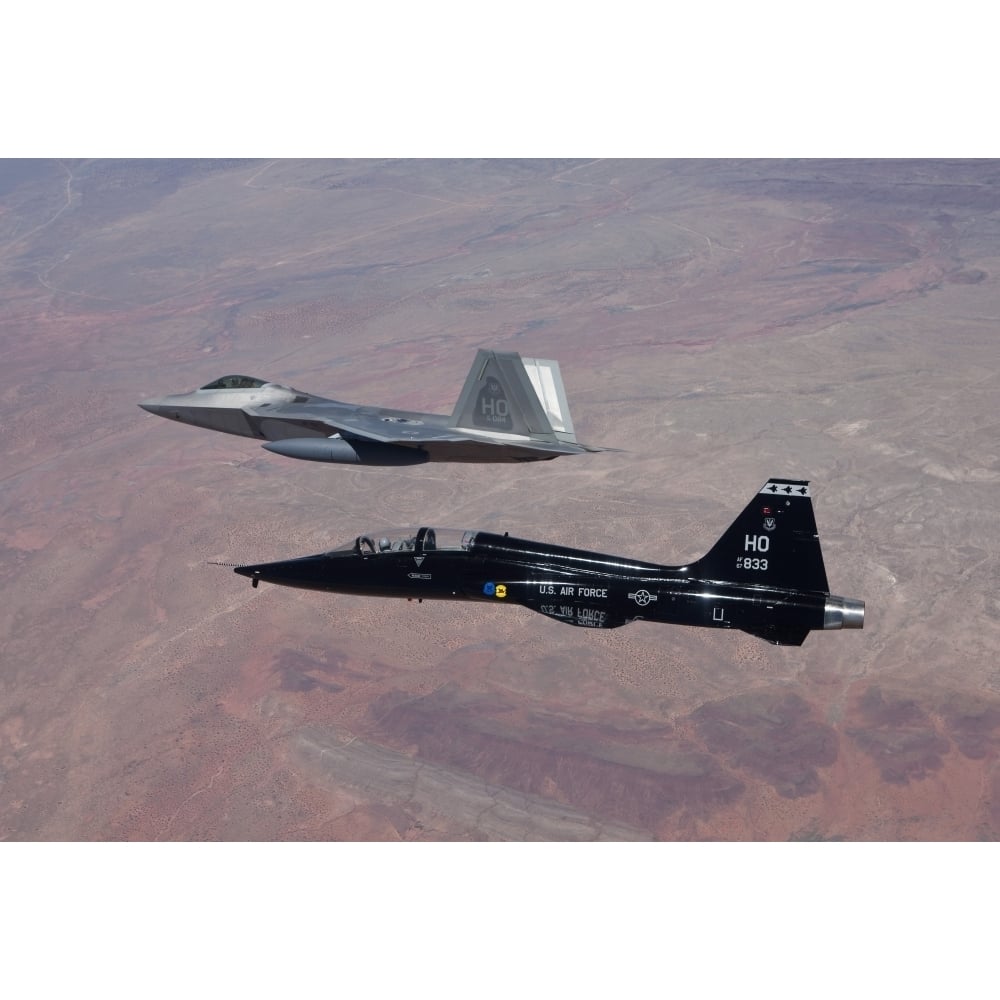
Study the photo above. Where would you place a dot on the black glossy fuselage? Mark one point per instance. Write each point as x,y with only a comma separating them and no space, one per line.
586,589
765,575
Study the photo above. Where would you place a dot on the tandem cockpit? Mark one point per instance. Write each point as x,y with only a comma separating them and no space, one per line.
417,542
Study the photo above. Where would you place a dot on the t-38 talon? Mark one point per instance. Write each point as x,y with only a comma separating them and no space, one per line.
764,576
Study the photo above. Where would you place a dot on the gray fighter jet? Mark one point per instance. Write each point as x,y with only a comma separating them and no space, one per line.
511,409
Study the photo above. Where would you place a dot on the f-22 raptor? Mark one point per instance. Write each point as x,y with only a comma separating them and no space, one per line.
511,409
764,576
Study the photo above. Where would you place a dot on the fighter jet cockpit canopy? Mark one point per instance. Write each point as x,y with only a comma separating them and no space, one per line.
419,541
269,392
236,382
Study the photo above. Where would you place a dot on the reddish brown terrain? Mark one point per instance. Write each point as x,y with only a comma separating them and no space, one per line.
720,322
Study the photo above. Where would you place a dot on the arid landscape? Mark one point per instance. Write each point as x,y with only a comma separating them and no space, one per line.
719,322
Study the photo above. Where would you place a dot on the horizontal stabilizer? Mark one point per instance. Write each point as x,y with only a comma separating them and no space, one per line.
780,636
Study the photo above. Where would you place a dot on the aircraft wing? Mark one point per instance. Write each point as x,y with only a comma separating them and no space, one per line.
364,423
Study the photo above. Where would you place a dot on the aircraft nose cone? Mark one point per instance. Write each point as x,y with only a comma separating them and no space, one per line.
251,571
154,405
307,572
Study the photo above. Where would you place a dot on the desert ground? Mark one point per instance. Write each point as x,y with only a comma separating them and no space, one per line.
719,322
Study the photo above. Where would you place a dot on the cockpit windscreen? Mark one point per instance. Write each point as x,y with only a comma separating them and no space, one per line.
419,541
236,382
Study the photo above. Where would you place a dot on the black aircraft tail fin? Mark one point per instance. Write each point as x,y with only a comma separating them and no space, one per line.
773,543
507,394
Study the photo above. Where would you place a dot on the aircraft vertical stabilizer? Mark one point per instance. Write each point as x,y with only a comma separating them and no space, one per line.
547,382
503,394
774,542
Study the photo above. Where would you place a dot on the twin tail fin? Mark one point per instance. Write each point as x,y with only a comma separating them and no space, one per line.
507,394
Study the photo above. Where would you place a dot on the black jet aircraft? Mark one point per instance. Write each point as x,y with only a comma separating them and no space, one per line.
511,409
764,576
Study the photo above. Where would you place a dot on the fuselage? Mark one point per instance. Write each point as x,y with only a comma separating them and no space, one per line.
272,412
578,587
300,425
